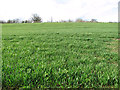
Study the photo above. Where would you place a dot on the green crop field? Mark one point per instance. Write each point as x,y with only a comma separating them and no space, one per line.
60,55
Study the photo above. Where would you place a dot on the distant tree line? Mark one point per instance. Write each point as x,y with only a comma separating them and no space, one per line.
79,20
37,19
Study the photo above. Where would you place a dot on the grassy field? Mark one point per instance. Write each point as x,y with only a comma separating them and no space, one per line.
60,55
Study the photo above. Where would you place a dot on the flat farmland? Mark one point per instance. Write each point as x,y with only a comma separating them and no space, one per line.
60,55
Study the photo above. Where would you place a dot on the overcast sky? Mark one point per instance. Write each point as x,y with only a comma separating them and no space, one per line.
102,10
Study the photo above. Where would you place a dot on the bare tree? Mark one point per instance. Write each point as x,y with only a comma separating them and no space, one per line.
26,21
23,21
93,20
79,20
70,20
36,18
9,21
51,19
16,20
2,21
